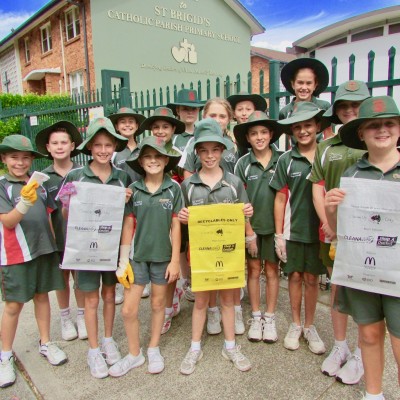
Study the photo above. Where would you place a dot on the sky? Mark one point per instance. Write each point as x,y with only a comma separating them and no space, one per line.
285,21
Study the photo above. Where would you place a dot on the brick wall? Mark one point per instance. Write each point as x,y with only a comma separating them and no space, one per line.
258,64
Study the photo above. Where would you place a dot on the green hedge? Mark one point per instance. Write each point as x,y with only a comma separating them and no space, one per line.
31,99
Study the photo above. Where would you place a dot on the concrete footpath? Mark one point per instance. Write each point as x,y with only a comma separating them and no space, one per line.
276,374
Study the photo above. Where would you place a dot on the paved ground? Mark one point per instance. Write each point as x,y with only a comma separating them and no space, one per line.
277,374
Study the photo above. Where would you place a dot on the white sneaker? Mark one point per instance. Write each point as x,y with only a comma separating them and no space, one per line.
189,362
255,333
213,322
80,323
98,366
269,330
124,365
315,344
156,362
189,295
352,372
336,359
68,330
7,372
111,352
239,325
55,356
167,323
176,302
240,361
119,293
291,341
146,291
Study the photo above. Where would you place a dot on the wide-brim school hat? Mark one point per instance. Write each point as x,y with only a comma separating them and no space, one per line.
209,130
165,114
126,112
347,91
17,142
186,97
157,144
97,125
289,71
374,107
256,118
259,102
42,138
303,111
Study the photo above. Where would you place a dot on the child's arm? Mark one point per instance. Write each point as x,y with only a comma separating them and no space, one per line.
332,199
318,192
172,272
124,270
279,214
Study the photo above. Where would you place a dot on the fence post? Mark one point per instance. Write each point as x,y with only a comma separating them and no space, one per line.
124,97
274,78
392,54
238,89
199,89
217,87
352,61
227,86
250,82
371,62
334,77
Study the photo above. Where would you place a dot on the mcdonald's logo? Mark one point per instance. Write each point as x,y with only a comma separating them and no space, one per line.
94,245
370,261
219,264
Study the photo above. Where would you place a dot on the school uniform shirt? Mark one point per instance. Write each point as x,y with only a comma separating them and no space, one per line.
53,186
154,213
286,111
32,236
256,179
119,161
180,141
301,221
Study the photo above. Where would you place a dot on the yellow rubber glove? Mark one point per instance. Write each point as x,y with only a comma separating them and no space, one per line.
332,250
28,197
124,270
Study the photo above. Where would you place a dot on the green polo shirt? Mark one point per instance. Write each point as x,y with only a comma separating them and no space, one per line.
180,141
154,213
229,189
332,158
53,186
286,111
119,159
301,221
32,236
256,180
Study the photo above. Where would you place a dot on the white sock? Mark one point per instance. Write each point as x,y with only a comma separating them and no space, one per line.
107,339
238,308
93,352
65,312
80,311
269,315
195,346
169,310
230,344
369,396
153,350
213,309
256,314
5,355
357,352
343,345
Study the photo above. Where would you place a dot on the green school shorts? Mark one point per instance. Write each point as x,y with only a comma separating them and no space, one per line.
303,257
368,308
146,272
324,254
89,281
266,249
20,282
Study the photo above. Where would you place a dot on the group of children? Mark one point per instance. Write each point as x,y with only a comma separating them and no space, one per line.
290,201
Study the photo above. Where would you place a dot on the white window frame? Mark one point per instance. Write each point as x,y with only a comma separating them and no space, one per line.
76,83
27,45
76,30
45,37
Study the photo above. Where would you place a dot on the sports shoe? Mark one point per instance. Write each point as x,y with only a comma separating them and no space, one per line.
269,330
146,291
119,293
255,333
111,352
68,330
98,366
156,362
213,322
189,362
55,356
167,323
189,295
291,341
124,365
240,361
7,372
315,344
176,305
239,325
80,323
352,371
337,357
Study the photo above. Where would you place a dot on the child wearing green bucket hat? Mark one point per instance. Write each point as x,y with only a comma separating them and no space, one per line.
377,129
212,185
332,158
59,142
255,169
296,223
29,259
155,204
101,142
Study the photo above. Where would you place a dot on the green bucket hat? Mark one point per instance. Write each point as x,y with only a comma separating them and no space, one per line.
186,97
289,71
126,112
157,144
42,138
97,125
208,130
165,114
302,111
17,142
256,118
259,102
347,91
374,107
